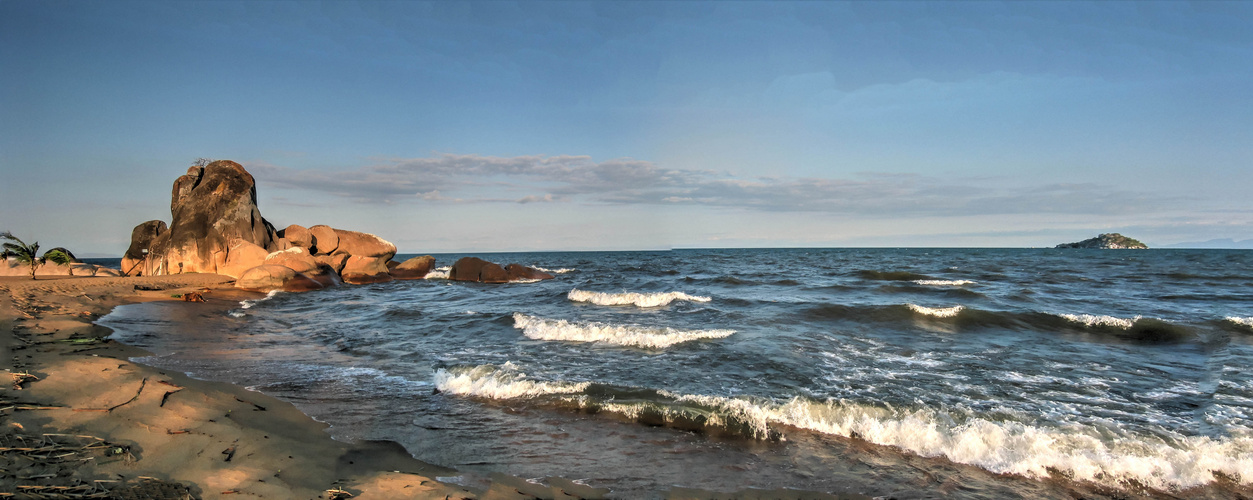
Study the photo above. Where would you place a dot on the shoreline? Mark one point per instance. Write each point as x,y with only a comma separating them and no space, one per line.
168,434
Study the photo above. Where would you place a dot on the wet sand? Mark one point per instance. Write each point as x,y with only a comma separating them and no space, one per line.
85,421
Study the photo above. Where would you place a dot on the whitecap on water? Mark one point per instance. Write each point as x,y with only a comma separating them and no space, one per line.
631,335
1104,455
939,312
656,299
1091,320
247,304
943,282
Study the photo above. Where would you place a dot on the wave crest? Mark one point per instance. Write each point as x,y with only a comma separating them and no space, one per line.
1245,322
940,312
1106,456
562,270
487,381
943,282
1096,320
632,298
439,273
631,335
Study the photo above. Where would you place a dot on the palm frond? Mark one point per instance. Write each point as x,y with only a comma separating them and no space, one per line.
56,256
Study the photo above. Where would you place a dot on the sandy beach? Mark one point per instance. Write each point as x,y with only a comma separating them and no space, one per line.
79,419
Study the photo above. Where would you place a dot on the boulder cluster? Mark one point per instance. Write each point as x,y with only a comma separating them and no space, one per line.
216,227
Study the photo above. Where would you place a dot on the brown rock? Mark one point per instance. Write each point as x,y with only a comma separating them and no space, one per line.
413,269
298,259
141,241
325,241
521,272
476,269
239,258
334,262
297,236
193,297
265,278
360,270
364,245
213,208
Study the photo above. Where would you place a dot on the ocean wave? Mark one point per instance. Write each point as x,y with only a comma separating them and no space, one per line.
631,335
1245,322
632,298
439,273
943,282
247,304
1107,456
940,312
1094,320
562,270
487,381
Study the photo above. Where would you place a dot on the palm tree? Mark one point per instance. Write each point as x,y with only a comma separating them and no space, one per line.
30,253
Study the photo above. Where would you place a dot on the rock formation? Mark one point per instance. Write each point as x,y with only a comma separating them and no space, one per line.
1112,241
141,244
476,269
216,227
413,269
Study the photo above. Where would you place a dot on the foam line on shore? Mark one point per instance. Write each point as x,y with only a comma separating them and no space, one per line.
629,335
1108,456
656,299
247,304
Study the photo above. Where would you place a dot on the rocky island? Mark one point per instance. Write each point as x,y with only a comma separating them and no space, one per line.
1107,241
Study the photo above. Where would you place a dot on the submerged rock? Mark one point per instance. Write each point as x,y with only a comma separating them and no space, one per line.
476,269
1109,241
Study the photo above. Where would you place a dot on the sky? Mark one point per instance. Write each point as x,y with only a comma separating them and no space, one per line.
503,126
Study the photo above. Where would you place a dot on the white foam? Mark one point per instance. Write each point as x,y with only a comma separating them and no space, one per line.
439,273
1241,321
525,280
943,282
247,304
562,270
1104,455
634,335
656,299
1099,320
487,381
940,312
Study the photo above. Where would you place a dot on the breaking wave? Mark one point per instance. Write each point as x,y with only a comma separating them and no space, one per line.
632,298
1093,320
1105,455
630,335
1245,322
439,273
941,312
562,270
943,282
247,304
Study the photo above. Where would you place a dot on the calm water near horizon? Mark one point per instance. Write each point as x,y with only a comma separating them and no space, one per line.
906,372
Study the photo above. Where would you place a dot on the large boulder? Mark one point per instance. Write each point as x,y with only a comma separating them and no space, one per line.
265,278
296,258
520,272
325,241
297,236
141,244
476,269
214,208
360,270
413,269
241,257
334,262
364,245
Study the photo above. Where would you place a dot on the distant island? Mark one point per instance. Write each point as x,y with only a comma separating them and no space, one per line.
1107,241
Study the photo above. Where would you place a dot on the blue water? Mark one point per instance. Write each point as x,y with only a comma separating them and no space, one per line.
972,372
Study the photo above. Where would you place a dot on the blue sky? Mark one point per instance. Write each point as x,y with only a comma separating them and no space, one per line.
498,126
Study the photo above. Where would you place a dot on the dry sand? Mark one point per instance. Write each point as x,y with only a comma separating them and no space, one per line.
85,421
